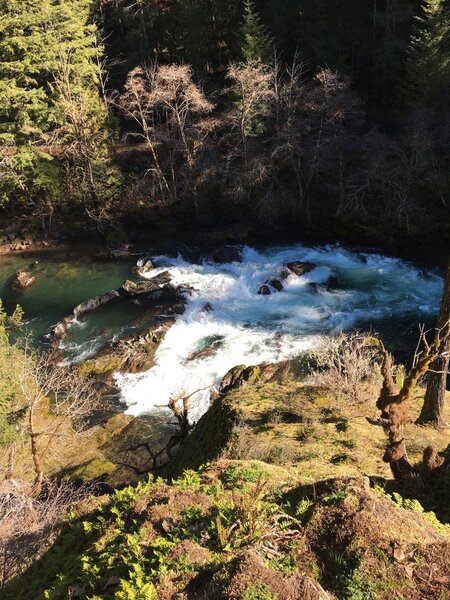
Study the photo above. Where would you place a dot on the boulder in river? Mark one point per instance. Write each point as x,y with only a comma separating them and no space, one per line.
332,282
210,346
144,265
300,268
131,354
136,288
60,328
22,280
270,286
227,254
264,290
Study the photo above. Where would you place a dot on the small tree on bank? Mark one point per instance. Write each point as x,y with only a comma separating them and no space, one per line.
253,90
51,404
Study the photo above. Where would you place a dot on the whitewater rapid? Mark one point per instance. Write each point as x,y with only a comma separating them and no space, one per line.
248,328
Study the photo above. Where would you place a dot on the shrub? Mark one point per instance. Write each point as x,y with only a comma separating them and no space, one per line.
346,366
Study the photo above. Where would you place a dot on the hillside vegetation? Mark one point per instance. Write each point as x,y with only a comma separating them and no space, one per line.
280,493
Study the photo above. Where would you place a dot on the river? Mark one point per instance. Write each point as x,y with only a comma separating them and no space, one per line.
385,294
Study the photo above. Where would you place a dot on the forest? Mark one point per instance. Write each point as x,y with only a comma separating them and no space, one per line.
224,299
329,120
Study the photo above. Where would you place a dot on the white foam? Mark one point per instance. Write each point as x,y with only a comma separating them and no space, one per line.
257,328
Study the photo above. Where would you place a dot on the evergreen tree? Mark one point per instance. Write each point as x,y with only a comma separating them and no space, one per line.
195,38
427,82
34,34
256,40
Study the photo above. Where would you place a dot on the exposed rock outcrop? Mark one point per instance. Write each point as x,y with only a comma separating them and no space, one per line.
60,329
136,288
157,292
243,375
144,265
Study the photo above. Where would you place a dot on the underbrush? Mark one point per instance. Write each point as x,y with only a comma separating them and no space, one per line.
228,533
347,366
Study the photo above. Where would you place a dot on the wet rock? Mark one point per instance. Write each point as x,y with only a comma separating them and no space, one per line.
276,284
208,307
227,254
60,329
314,287
144,265
167,297
210,346
22,280
264,290
238,376
300,268
332,282
131,354
271,286
136,288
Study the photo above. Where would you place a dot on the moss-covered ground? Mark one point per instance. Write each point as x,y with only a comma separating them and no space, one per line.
279,493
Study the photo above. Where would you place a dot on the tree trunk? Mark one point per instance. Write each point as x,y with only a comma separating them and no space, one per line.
37,462
433,406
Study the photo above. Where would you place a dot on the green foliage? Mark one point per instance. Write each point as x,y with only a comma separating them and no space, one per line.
10,355
244,518
256,39
351,584
120,551
414,505
428,63
303,510
237,475
190,480
34,36
258,591
336,497
30,173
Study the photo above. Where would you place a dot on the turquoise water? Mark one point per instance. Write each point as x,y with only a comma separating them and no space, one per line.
64,278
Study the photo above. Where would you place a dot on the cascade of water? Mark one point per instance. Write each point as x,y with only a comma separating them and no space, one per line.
246,328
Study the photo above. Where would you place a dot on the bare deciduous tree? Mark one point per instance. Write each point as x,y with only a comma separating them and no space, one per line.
345,365
54,402
169,111
160,457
